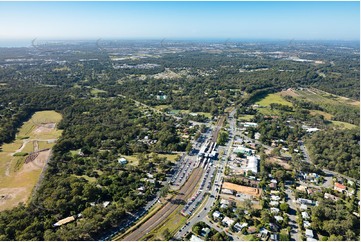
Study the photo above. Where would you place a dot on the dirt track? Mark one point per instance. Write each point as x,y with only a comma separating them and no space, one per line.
186,191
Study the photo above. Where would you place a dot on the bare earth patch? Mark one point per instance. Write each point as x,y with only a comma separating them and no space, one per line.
11,196
289,92
44,128
279,162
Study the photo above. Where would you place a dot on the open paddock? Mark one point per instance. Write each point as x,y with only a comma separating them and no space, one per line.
17,177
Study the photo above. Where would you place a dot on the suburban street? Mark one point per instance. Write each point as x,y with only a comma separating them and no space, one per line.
295,236
328,174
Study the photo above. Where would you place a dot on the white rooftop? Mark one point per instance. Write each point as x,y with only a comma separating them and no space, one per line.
305,215
228,221
195,238
309,233
216,214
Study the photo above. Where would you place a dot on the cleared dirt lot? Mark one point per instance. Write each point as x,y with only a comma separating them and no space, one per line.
242,189
280,162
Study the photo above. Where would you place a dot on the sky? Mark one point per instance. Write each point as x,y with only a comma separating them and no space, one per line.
180,20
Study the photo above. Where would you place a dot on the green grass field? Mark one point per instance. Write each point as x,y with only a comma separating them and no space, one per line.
266,101
35,128
343,124
171,157
273,98
269,112
246,117
162,107
208,115
96,91
318,96
324,114
29,147
88,178
132,159
45,145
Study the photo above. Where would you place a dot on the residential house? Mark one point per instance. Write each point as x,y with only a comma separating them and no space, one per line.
141,189
274,237
205,232
227,191
274,227
274,204
226,202
306,224
275,210
303,207
309,233
278,218
227,221
339,187
273,185
275,198
274,181
305,215
105,204
239,226
195,238
217,215
306,201
224,206
263,234
310,176
122,161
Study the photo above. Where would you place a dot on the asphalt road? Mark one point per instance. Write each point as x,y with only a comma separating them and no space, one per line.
295,236
168,208
329,174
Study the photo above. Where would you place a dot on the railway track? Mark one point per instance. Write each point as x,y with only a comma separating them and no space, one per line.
218,128
156,220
